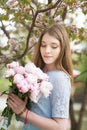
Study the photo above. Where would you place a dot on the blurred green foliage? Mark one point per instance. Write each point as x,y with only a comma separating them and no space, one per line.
3,84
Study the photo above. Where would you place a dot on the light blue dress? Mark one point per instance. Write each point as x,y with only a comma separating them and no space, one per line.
57,104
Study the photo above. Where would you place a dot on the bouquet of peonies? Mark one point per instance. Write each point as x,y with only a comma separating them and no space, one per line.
25,81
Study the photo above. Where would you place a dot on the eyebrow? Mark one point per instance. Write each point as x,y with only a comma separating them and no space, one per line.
51,42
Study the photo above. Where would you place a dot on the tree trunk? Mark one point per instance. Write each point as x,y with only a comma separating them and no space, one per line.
82,108
72,115
76,125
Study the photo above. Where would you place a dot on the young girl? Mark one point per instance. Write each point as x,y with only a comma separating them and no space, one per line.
53,56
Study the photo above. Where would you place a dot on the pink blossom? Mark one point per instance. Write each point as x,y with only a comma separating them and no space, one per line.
23,86
9,73
35,95
18,78
76,73
12,3
40,74
13,64
31,79
34,87
46,88
19,70
30,68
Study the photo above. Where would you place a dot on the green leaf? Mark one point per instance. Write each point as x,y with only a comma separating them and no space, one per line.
2,129
7,112
9,118
17,117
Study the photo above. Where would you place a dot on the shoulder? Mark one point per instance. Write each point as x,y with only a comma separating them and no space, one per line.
58,76
60,81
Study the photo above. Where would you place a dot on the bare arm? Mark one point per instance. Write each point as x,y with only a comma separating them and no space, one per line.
43,123
46,123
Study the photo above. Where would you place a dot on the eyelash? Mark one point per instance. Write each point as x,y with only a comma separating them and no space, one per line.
51,46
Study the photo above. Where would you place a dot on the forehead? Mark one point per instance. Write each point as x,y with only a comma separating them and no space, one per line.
49,39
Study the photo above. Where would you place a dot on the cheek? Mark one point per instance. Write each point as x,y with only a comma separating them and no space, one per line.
42,50
57,52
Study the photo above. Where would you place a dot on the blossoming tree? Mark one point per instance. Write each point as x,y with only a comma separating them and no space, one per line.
21,22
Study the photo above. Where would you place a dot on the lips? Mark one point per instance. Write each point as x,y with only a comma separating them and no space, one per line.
47,57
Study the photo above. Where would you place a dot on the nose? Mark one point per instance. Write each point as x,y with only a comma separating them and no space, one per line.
48,49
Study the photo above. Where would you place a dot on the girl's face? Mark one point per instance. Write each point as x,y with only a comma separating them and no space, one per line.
50,49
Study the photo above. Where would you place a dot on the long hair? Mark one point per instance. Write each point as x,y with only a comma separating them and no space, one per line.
63,62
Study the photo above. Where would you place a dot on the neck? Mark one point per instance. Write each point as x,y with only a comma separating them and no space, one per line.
49,68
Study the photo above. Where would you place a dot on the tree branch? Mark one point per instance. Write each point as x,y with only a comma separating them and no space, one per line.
32,25
51,7
4,30
64,13
57,8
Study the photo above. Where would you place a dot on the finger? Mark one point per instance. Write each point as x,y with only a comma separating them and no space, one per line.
15,98
11,103
14,104
18,101
14,108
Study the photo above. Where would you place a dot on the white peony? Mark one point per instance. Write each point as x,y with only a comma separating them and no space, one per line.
46,88
9,73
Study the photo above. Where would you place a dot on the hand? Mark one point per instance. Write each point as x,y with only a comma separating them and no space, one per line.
16,104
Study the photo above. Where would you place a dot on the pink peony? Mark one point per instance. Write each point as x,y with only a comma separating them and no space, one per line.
30,68
19,70
18,78
34,87
31,79
40,74
9,73
35,95
13,64
46,88
23,86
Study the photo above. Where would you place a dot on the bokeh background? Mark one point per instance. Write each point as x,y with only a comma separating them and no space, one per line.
21,23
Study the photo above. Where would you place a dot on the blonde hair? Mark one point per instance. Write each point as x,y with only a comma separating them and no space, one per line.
63,62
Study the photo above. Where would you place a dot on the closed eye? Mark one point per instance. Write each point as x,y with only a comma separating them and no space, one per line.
43,45
54,47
